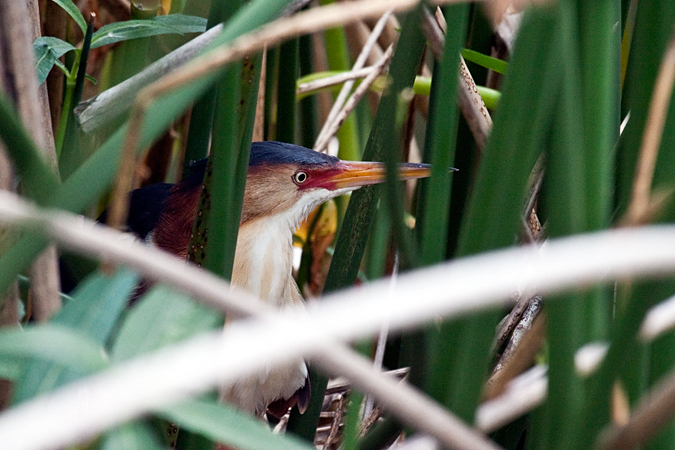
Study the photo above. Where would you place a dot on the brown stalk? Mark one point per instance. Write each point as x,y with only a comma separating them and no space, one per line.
655,411
320,64
641,205
18,28
259,122
55,26
9,311
368,46
470,102
519,359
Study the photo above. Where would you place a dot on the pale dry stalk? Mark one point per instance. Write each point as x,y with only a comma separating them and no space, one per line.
379,68
642,203
324,134
322,83
654,411
20,26
470,102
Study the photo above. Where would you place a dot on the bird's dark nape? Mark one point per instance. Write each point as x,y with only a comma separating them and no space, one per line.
273,152
147,204
145,208
195,171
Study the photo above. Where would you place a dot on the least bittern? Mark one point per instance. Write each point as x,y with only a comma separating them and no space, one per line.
284,184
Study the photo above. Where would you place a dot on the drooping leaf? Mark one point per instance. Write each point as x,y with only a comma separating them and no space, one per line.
97,304
47,51
183,23
135,435
134,29
73,12
57,344
162,317
92,313
38,181
486,61
223,423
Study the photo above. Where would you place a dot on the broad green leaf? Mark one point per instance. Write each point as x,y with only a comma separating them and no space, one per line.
97,304
223,423
47,51
441,143
134,29
73,12
183,23
160,318
57,344
93,313
11,369
132,436
488,62
56,45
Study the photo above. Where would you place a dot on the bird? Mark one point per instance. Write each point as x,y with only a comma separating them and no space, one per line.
284,183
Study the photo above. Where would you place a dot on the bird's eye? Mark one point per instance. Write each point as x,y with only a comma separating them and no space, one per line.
300,177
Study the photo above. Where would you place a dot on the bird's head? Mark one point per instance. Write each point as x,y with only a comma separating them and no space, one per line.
284,181
292,180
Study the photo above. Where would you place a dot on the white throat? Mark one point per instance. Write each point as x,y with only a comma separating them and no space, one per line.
264,257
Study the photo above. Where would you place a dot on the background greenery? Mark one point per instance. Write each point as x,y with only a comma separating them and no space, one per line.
578,69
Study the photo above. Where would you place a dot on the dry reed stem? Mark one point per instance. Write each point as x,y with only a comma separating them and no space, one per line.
472,106
101,110
470,102
390,33
520,359
316,85
357,35
574,260
259,121
658,320
522,394
620,405
408,405
654,411
20,27
379,68
506,325
641,202
328,129
346,316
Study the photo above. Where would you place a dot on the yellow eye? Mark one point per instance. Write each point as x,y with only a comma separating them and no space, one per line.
300,177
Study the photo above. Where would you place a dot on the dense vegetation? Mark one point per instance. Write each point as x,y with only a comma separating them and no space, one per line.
581,144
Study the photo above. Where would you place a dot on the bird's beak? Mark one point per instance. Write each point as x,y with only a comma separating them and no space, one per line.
353,174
